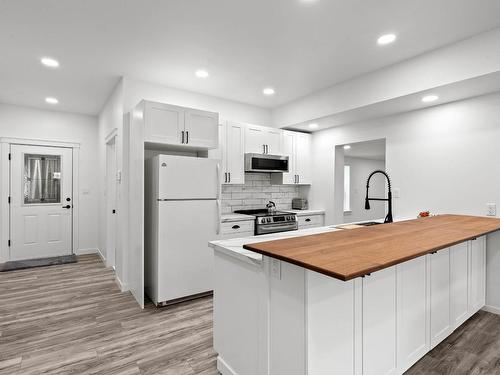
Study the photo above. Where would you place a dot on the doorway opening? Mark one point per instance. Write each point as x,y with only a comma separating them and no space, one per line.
353,164
111,199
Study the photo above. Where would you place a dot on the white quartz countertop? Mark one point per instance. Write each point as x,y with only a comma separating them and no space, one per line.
307,212
227,218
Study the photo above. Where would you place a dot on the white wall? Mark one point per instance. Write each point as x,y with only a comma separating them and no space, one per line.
360,170
24,122
444,159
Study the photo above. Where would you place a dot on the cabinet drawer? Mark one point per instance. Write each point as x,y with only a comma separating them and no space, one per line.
238,227
310,221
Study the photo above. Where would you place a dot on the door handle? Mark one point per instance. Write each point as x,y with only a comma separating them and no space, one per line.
182,132
67,207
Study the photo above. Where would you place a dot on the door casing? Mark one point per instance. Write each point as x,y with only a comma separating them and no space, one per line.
5,144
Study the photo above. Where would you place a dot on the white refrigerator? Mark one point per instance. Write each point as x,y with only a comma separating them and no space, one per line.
182,214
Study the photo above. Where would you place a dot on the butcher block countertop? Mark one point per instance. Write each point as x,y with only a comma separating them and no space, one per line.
347,254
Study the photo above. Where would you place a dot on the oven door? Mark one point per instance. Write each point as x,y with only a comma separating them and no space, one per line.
266,163
275,228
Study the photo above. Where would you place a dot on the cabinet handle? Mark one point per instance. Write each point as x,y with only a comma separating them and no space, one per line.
182,132
263,149
308,220
236,226
298,178
267,149
229,174
225,177
187,137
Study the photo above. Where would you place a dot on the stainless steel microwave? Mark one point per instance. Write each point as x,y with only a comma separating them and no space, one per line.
266,163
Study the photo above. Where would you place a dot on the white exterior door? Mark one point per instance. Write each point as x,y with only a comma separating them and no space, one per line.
41,185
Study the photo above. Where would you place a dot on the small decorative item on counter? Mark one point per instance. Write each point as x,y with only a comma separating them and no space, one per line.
424,214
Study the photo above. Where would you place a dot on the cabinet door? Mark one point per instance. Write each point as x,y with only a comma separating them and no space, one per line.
440,296
379,322
201,128
273,141
163,123
459,284
477,275
254,139
302,158
413,311
235,153
289,150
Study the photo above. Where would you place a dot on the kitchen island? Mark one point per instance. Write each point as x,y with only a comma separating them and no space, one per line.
371,300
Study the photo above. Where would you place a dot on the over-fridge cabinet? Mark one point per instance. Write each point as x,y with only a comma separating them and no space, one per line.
170,125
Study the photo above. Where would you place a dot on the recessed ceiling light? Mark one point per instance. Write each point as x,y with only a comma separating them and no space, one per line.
347,147
51,100
313,126
430,98
386,39
200,73
268,91
50,62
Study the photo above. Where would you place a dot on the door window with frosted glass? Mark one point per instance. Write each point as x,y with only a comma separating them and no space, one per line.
42,179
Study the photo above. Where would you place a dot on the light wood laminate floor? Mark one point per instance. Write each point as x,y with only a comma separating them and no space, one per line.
73,319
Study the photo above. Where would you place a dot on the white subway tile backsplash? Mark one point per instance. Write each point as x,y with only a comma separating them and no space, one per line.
256,192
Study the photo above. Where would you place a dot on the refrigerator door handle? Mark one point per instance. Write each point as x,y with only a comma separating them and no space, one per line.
218,217
218,186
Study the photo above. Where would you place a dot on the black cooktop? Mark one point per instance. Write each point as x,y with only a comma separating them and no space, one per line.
262,212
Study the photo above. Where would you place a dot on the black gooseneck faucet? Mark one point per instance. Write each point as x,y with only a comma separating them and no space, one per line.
388,218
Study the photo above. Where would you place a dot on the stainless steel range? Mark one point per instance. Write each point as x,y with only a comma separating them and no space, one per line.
272,221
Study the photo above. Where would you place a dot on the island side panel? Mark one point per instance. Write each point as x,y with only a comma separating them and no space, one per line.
240,316
287,328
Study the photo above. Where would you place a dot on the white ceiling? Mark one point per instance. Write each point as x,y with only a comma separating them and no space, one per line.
296,46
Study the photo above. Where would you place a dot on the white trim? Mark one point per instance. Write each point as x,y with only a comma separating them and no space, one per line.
103,258
224,368
5,144
491,309
38,142
112,134
123,287
87,251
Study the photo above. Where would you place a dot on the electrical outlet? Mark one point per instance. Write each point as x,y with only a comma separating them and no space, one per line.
492,209
276,268
396,193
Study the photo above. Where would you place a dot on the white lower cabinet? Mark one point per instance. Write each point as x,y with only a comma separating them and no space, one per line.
440,296
459,305
379,323
477,274
412,311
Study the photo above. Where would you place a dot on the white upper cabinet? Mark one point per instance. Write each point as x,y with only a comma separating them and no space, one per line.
262,140
234,154
178,126
297,146
164,123
201,128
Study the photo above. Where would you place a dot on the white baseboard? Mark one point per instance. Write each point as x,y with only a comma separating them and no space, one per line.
224,368
86,251
123,286
491,309
103,258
